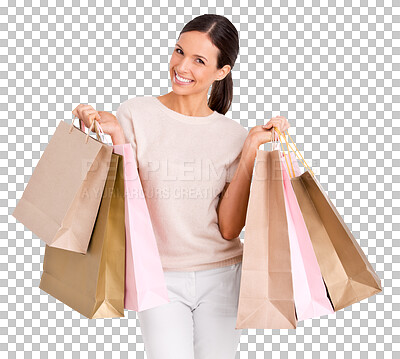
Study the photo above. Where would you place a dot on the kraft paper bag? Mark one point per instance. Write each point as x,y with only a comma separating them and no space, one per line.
62,197
346,270
347,273
145,285
266,291
93,283
310,295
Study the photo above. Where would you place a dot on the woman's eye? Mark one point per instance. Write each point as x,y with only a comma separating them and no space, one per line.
178,49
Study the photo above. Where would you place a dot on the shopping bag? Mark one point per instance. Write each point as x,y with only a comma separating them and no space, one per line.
310,295
93,283
145,285
62,197
266,291
290,158
347,273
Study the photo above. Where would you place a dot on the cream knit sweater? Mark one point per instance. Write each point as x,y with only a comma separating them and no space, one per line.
184,163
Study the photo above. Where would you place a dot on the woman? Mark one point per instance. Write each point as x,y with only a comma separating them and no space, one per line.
197,210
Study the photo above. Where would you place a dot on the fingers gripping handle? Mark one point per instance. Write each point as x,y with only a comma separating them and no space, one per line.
95,127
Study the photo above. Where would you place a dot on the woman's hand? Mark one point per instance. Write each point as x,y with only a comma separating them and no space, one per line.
107,120
261,134
280,122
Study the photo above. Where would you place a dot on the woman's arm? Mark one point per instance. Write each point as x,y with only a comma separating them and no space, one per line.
232,206
118,137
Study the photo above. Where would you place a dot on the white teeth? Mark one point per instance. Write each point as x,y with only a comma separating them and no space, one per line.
182,79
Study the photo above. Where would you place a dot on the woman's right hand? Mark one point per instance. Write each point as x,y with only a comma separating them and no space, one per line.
87,114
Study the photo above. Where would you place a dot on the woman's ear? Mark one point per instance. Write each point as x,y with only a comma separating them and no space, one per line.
222,73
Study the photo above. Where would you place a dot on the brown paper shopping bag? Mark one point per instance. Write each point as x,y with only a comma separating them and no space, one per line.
62,197
348,275
94,283
266,290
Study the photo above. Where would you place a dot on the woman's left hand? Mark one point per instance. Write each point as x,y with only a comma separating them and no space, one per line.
279,121
261,134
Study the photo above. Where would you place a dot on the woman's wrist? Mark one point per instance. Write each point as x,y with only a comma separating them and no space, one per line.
117,136
254,140
249,150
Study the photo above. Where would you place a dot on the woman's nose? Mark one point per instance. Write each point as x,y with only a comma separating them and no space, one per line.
184,67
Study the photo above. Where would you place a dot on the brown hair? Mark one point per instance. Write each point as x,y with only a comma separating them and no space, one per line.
224,36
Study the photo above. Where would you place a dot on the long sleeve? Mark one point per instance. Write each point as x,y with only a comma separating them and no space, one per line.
125,119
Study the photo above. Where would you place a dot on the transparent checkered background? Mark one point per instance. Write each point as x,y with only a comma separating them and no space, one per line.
331,69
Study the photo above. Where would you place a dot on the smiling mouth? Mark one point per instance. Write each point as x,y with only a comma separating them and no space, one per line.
181,80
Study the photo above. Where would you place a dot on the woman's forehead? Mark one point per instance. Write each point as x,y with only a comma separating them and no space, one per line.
198,43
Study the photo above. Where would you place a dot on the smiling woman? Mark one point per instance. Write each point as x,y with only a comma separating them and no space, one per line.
187,151
195,165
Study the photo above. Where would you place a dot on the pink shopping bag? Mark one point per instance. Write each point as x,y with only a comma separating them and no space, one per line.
145,285
310,295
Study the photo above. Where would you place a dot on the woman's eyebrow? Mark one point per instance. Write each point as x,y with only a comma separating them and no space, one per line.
193,55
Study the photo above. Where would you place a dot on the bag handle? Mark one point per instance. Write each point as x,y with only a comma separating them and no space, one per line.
96,129
101,132
295,152
283,151
303,160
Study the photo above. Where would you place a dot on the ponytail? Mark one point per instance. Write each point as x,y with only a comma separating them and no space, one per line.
221,94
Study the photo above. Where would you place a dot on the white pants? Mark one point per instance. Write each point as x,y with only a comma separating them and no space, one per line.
199,321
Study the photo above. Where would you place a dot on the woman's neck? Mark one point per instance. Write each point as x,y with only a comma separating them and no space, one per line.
186,105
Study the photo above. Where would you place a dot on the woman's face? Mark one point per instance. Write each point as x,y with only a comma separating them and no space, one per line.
195,59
